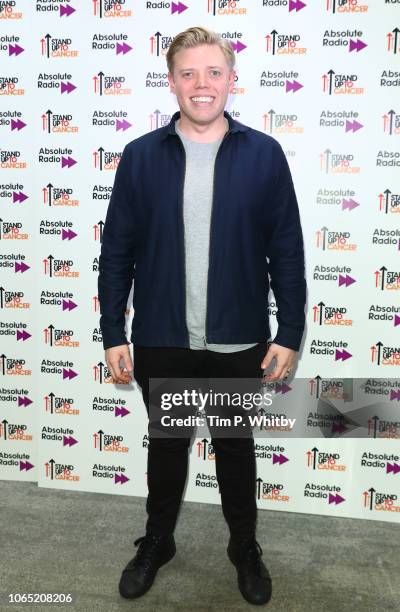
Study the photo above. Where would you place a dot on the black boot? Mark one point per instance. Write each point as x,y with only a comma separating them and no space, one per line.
254,580
153,552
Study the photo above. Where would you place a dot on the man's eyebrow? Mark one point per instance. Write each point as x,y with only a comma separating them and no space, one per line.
183,69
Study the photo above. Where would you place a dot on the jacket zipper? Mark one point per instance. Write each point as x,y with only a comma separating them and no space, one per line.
209,238
184,244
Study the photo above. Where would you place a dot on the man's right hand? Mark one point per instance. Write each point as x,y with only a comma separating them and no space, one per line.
114,355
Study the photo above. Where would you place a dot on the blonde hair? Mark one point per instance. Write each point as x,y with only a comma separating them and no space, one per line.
193,37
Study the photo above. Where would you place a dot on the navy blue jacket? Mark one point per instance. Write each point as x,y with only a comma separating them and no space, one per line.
254,216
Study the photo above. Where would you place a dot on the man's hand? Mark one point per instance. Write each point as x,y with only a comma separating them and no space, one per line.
285,360
113,356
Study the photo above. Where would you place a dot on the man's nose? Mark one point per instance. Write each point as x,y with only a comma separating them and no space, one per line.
201,80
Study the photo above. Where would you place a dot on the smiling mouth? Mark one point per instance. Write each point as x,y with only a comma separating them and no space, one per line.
202,100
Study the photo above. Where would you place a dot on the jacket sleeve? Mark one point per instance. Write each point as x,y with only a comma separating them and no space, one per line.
285,252
117,257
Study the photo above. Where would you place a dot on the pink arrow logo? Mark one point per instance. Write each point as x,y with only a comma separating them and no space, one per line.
69,373
346,280
353,126
356,45
123,48
19,196
350,204
342,355
67,87
66,10
23,335
282,388
394,394
68,234
15,50
296,5
238,46
69,441
121,411
279,458
293,86
338,427
17,125
396,320
67,162
395,468
120,478
21,267
68,305
25,465
335,499
24,401
122,125
180,7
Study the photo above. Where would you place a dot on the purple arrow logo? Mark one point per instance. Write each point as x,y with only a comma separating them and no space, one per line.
121,478
180,7
66,10
68,234
15,50
23,335
395,468
123,48
121,412
24,401
19,196
396,320
238,46
346,280
338,427
67,87
69,373
282,388
356,45
21,267
25,465
69,441
353,126
293,86
350,204
67,161
394,395
335,499
296,5
279,458
68,305
343,355
17,125
123,125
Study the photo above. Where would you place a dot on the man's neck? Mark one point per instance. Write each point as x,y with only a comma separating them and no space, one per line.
203,133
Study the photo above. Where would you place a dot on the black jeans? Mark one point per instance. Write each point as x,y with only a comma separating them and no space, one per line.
167,459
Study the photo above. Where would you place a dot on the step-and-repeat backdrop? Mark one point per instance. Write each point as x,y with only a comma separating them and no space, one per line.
81,78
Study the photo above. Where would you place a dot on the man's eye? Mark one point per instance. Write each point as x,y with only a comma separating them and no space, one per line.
215,72
187,74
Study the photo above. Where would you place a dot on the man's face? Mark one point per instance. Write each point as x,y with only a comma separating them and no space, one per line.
201,81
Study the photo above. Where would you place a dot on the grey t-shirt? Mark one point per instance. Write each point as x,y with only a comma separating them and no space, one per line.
197,199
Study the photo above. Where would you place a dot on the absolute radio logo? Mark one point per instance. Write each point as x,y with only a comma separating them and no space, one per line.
287,79
235,39
58,196
292,5
56,228
390,78
334,240
159,43
111,443
11,159
9,44
117,473
101,192
271,491
321,388
322,460
175,8
330,315
334,83
226,7
53,47
59,337
116,119
204,450
283,44
14,431
63,367
111,405
13,366
111,42
60,155
54,6
57,80
388,462
9,86
8,10
386,159
346,6
324,492
12,299
110,85
337,163
379,312
13,190
336,348
110,9
60,471
59,268
59,434
156,79
386,237
56,123
388,280
383,355
389,387
274,453
14,260
344,38
106,160
60,405
391,123
389,202
272,308
14,394
19,460
12,119
14,329
337,197
12,230
279,123
340,119
393,41
382,502
208,481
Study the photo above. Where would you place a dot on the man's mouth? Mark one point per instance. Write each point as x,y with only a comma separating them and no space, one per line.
202,100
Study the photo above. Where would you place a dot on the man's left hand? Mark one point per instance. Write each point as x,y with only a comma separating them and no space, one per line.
285,360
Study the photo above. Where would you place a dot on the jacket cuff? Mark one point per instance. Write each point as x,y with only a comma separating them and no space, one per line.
289,337
113,338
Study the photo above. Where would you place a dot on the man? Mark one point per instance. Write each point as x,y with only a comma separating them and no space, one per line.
202,212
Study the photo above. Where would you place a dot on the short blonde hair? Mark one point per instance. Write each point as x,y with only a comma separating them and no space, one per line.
193,37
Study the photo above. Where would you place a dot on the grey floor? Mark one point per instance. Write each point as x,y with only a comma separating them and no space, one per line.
62,541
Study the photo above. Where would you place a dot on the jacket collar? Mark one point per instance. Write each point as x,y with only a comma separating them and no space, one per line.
234,126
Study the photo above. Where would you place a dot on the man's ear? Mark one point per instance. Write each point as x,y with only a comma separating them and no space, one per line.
171,82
